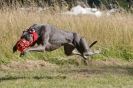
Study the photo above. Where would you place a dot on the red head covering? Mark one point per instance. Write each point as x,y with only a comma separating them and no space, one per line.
22,44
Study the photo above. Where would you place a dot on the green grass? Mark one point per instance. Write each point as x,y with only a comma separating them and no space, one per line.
115,39
114,34
92,76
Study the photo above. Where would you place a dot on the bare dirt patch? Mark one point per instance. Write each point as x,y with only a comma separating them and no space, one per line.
93,66
111,62
27,65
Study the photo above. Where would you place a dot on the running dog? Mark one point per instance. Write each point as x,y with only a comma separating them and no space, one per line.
46,37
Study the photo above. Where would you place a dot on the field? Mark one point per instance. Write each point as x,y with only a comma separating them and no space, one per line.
113,68
41,74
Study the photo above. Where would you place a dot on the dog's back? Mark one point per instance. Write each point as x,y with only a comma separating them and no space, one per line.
55,35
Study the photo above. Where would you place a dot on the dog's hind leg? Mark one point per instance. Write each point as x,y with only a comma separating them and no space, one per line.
81,45
75,52
68,49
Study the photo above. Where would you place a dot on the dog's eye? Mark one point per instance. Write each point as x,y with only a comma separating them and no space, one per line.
26,35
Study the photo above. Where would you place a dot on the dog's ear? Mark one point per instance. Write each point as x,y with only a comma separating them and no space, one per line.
14,48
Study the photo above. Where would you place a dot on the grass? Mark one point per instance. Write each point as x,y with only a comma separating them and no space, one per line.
111,75
114,33
115,39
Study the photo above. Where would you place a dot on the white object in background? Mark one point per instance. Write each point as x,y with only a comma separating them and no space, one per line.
77,10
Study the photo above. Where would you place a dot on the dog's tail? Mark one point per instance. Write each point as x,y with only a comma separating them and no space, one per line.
93,44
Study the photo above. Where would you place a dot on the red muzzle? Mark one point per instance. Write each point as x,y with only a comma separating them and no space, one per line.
22,44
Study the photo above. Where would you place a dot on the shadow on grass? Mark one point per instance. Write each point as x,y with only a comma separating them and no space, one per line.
11,78
34,77
101,70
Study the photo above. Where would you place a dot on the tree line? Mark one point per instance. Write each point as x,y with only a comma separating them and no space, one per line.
109,4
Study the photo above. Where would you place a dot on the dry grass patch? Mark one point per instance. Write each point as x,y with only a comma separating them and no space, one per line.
113,33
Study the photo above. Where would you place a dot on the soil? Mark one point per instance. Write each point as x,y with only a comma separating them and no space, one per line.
39,64
27,65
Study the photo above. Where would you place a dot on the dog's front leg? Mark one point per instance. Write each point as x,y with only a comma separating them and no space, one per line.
37,49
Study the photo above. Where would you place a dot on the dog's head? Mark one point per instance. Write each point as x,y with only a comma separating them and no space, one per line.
27,39
28,34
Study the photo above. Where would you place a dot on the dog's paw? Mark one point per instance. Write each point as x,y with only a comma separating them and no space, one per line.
89,53
23,53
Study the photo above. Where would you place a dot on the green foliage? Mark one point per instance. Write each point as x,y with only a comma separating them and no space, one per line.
50,3
118,52
114,36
